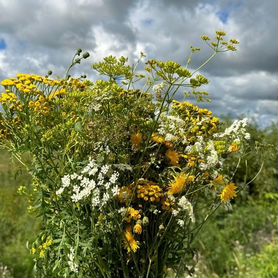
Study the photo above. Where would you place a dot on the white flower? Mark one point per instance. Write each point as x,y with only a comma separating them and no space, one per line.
104,169
115,190
180,222
71,262
161,227
114,177
247,136
66,181
60,191
175,212
184,204
93,171
96,198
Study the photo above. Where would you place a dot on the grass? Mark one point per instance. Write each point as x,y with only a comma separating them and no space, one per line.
17,227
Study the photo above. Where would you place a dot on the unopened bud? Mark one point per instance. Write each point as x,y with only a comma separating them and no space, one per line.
85,55
77,60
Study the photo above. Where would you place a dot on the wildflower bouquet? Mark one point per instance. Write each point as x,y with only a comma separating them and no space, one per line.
124,175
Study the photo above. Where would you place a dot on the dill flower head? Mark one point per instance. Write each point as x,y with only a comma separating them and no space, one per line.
131,243
228,193
179,184
173,157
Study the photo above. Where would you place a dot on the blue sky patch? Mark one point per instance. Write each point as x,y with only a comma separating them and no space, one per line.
223,16
148,22
3,44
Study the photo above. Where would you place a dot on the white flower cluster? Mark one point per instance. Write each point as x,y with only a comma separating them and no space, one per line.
184,205
212,158
172,128
207,152
71,262
99,182
236,130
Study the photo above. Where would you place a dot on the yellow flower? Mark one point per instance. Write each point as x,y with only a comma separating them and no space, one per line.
158,139
137,229
136,140
7,82
149,191
228,193
33,250
180,183
42,253
134,214
219,180
8,97
234,148
131,243
173,156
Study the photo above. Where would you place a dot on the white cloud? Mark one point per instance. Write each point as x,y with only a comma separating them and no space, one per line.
43,34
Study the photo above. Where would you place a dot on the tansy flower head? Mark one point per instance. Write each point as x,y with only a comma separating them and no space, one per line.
149,192
228,193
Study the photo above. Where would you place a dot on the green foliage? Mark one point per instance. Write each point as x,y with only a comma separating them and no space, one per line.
17,227
262,264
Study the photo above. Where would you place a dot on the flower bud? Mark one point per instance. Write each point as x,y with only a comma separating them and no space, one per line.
79,50
77,60
49,72
85,55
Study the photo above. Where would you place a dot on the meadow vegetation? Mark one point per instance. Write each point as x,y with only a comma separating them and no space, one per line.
183,192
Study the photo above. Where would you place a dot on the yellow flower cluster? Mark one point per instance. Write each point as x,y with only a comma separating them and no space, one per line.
200,121
149,192
8,98
42,248
41,106
161,140
133,214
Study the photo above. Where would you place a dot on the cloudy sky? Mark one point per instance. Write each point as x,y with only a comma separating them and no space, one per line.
41,35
